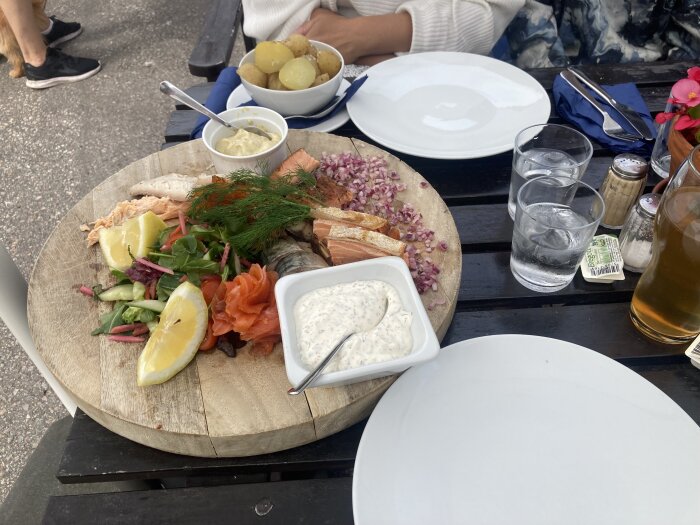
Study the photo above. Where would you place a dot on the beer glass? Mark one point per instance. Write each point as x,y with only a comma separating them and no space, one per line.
666,301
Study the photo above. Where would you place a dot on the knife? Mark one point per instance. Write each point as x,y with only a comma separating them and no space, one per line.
629,114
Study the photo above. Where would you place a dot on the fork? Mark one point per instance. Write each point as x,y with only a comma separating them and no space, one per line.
610,126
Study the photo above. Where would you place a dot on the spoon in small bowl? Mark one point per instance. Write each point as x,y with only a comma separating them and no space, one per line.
179,95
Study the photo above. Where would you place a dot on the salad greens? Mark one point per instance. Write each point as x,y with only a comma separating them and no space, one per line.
143,289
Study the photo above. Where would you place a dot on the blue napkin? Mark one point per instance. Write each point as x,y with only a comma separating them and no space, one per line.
576,110
229,80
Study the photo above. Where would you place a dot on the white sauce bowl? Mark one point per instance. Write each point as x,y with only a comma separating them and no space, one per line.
391,270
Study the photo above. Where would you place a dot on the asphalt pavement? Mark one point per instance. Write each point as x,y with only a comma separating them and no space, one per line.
57,144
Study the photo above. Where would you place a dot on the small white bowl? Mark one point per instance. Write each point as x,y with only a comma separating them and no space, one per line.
302,101
263,118
392,270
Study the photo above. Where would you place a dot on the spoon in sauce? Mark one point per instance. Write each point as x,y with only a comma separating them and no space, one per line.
311,376
179,95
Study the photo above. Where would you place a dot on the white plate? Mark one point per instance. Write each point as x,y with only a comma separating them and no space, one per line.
239,95
447,105
528,430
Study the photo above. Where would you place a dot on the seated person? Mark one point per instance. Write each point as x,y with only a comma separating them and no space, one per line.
550,33
367,31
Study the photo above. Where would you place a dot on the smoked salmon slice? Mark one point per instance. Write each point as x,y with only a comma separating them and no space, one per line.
345,251
347,245
247,306
296,161
351,218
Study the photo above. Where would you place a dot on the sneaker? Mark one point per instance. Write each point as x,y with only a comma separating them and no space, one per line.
59,68
61,32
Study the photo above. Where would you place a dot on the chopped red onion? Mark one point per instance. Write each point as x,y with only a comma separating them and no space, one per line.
374,188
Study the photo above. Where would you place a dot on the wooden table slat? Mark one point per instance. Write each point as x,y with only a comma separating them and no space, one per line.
93,453
612,334
488,282
308,502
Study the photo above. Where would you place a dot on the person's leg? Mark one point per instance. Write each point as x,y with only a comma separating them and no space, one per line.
20,17
45,67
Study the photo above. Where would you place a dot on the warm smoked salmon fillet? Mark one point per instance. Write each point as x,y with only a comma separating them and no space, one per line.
347,245
297,160
345,251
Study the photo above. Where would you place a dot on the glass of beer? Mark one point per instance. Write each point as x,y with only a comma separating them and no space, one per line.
666,301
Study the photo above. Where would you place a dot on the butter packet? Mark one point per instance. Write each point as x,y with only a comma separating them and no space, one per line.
602,262
693,352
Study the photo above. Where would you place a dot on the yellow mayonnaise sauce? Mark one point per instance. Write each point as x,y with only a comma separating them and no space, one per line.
243,143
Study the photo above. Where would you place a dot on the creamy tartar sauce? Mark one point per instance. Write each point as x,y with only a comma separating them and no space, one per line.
324,316
243,143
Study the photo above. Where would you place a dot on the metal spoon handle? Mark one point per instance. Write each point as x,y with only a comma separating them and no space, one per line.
315,372
179,95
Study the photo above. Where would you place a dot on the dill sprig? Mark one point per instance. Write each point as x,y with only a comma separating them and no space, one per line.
254,208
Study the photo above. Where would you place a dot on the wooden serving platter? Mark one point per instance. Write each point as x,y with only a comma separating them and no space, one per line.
217,406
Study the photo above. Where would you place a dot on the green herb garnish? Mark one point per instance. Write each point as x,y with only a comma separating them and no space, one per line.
255,209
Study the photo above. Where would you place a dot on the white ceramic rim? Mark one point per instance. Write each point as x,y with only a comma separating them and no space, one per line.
405,64
466,428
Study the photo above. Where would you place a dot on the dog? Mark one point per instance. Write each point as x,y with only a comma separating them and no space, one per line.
8,43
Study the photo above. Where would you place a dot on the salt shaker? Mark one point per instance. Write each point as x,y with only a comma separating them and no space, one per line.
638,233
622,187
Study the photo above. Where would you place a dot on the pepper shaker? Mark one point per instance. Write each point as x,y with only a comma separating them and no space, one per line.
622,187
638,233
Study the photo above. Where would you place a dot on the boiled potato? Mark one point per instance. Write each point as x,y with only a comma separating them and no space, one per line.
297,74
273,82
299,45
328,62
271,56
314,63
320,79
250,73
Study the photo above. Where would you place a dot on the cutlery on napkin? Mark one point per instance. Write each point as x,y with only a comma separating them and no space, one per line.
610,125
628,113
574,109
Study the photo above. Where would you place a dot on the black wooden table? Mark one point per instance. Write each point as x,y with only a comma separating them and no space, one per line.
312,484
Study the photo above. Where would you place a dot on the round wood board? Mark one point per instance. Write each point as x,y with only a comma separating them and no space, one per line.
217,406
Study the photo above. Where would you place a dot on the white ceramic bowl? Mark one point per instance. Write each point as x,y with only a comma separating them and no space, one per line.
263,118
301,102
391,270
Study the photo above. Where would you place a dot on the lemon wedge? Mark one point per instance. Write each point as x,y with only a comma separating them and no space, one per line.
174,342
137,234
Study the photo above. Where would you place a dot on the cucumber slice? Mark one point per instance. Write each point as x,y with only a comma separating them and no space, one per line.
139,291
122,292
148,304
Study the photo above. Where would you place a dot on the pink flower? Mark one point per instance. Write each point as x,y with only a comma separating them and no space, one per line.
694,73
685,122
687,92
663,117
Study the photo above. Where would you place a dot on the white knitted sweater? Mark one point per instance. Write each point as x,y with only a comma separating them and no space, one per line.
471,26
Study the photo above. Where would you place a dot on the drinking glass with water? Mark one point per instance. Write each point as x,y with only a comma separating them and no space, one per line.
555,220
547,149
